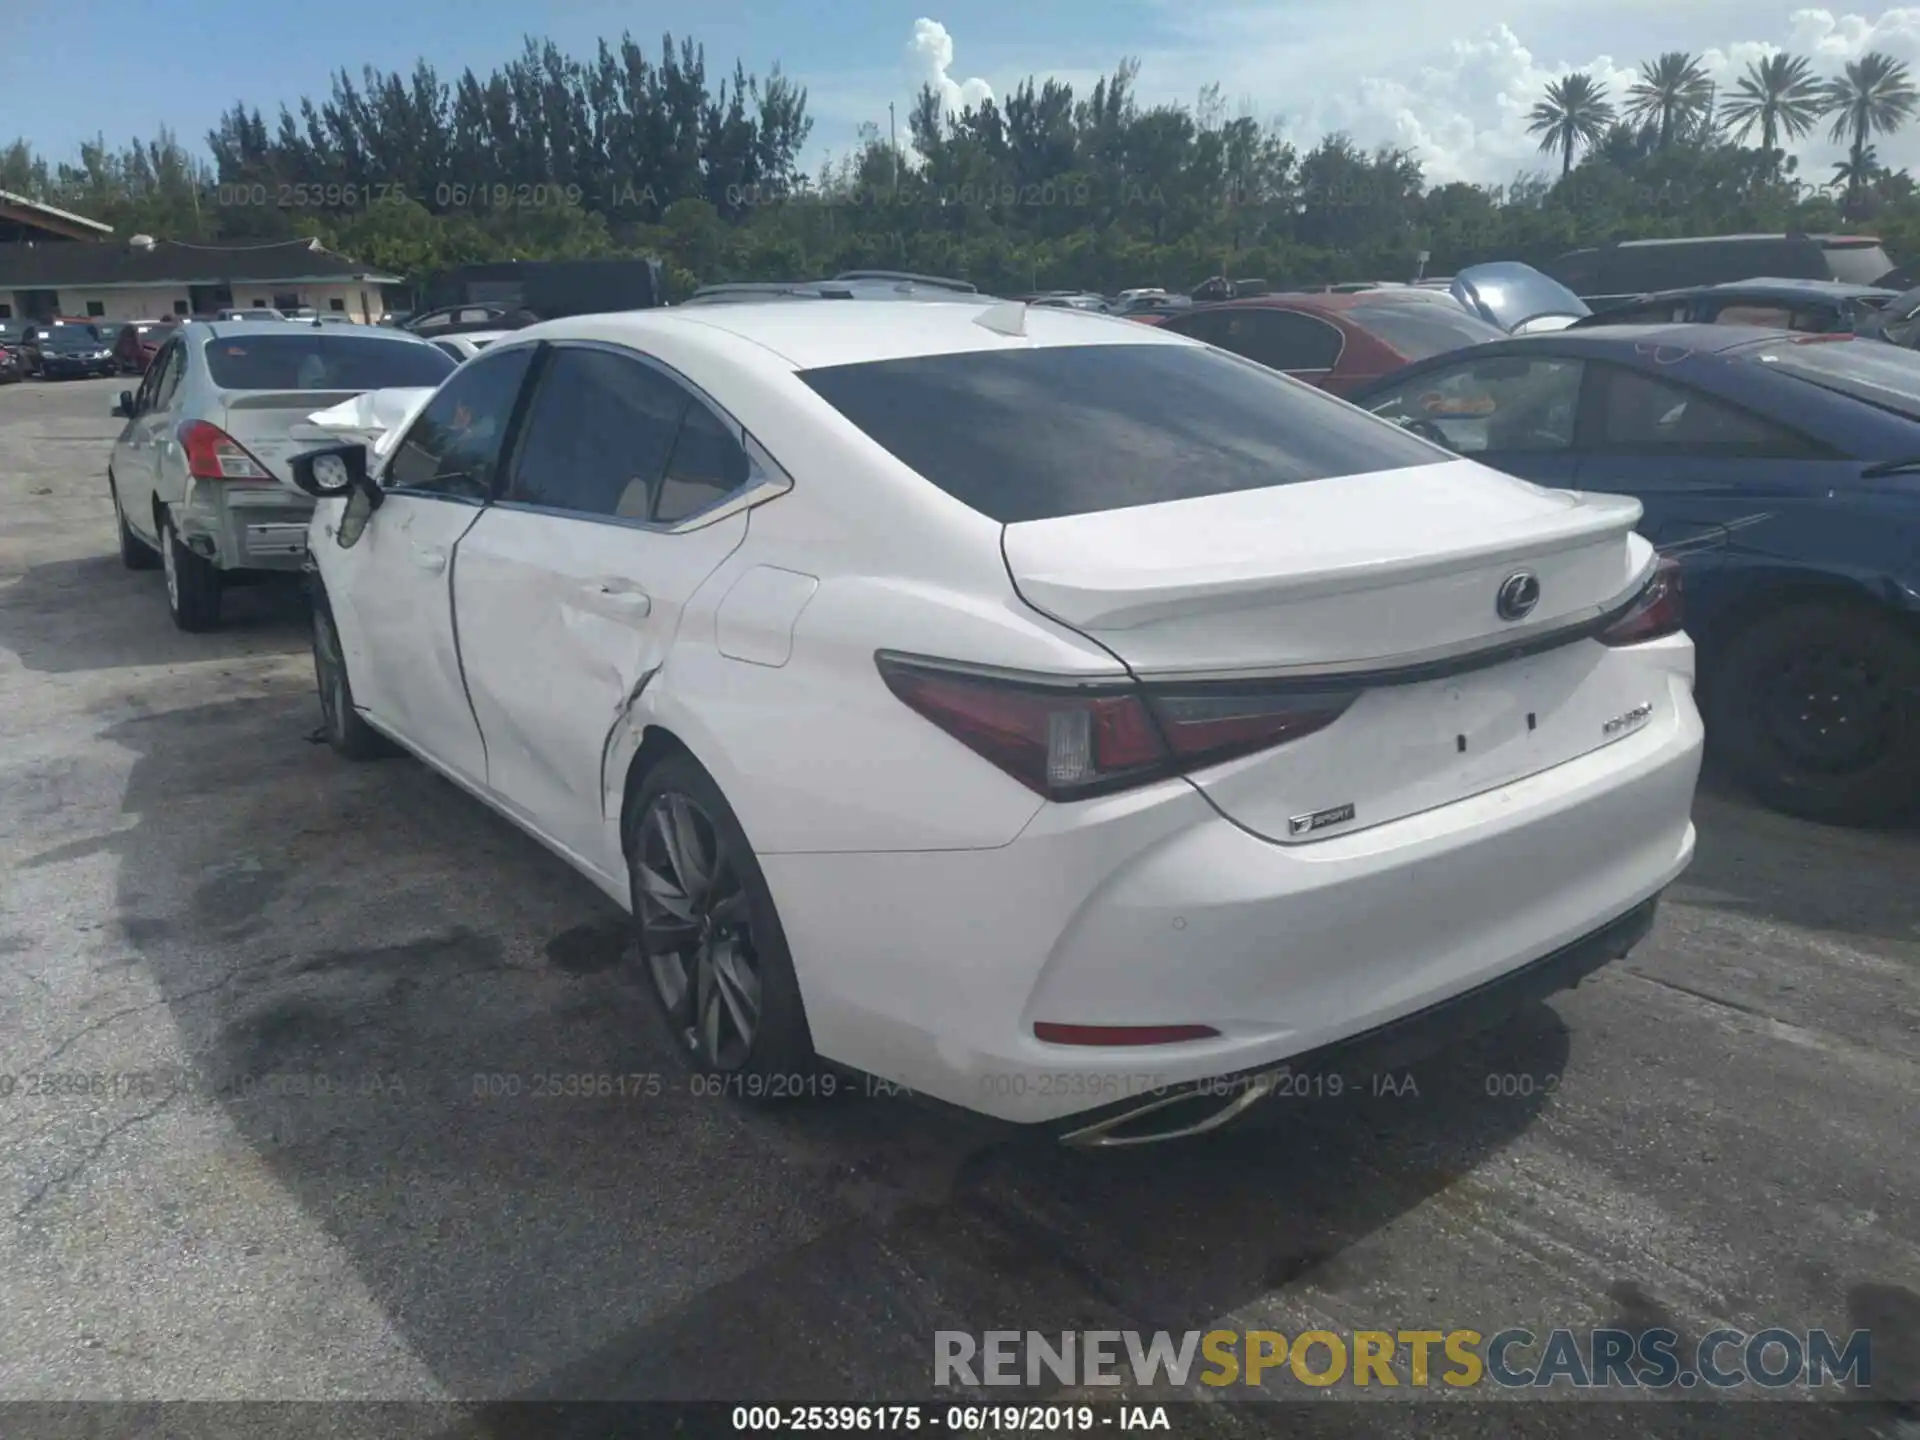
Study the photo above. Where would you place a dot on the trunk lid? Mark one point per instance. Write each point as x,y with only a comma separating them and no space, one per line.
1383,586
274,426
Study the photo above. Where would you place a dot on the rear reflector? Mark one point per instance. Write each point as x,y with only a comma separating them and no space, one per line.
1068,740
1120,1034
1656,612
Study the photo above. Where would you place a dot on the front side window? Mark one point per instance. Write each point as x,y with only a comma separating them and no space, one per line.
598,435
1649,413
453,446
1069,430
1503,404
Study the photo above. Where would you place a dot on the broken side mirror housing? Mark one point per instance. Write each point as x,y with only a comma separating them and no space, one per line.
123,407
333,472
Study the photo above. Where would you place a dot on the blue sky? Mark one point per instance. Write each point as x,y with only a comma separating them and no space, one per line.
1405,72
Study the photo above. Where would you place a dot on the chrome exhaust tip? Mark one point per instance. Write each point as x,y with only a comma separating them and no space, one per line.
1216,1109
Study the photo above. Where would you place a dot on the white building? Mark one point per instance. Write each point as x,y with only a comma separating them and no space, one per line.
54,263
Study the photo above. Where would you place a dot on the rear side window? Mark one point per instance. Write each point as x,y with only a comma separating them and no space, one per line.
1069,430
324,360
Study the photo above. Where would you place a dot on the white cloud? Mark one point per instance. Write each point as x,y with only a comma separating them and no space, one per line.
931,53
1412,76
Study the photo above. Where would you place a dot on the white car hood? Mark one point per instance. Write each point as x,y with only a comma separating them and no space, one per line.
375,418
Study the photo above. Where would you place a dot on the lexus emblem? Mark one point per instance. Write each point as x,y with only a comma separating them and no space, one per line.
1519,593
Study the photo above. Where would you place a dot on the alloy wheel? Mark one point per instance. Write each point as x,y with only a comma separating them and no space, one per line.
696,934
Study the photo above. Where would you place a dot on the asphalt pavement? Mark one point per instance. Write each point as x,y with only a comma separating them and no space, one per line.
278,1036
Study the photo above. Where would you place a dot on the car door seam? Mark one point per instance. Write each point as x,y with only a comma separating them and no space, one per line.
459,652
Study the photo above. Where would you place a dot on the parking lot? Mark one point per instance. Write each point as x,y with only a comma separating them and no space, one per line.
273,1024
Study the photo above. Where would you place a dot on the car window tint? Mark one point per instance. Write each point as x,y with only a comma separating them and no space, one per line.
1649,412
708,463
174,358
597,435
1281,339
1502,404
323,360
1209,326
1068,430
453,446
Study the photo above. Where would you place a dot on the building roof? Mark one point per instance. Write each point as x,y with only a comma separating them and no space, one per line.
169,262
17,212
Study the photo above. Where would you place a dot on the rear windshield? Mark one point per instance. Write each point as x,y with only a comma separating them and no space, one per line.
1858,264
324,360
1422,329
1069,430
1879,374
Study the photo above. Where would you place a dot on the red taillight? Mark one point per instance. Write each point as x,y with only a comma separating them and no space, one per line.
1656,612
1068,741
1120,1034
212,454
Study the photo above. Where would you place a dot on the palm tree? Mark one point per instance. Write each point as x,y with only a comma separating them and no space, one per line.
1779,96
1857,171
1872,95
1674,91
1575,113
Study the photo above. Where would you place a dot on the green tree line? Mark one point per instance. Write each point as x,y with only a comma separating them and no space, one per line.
628,151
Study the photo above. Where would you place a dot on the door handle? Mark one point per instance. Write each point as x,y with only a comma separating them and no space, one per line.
621,598
430,560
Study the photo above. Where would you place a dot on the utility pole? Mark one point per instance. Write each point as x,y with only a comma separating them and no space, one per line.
893,145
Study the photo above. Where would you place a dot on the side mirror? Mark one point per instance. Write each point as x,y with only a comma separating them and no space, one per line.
335,471
123,407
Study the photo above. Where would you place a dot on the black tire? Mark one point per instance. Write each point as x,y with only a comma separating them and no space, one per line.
135,553
349,735
733,958
1816,708
193,582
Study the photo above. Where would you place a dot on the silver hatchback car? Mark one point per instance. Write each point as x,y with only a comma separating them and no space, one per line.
199,475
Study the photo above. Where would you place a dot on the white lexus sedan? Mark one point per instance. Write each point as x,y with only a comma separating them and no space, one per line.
1046,713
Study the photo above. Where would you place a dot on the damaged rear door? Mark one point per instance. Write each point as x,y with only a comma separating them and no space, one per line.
569,591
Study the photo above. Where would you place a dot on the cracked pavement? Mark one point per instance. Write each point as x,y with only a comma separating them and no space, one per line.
265,1015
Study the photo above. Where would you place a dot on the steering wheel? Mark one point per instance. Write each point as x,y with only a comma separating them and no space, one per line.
1427,430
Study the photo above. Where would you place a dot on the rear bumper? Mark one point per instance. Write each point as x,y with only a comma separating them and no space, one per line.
246,527
929,969
1199,1107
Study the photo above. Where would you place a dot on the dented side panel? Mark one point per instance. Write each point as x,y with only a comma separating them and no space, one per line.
564,622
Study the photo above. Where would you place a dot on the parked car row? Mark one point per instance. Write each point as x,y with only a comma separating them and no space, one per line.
199,475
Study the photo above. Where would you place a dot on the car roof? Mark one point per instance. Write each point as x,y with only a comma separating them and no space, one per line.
1751,238
806,337
1776,285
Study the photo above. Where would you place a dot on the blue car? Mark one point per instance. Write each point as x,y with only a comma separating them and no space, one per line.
1783,471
